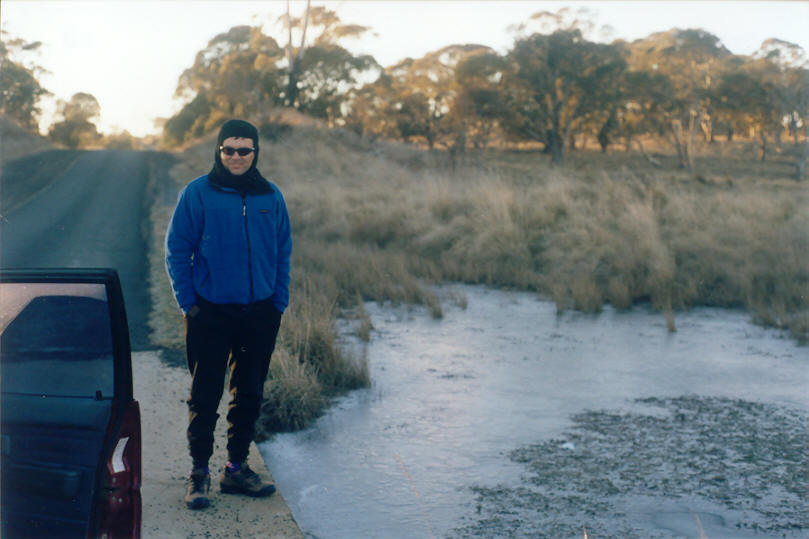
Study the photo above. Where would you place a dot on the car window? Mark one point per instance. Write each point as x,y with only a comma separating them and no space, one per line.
56,339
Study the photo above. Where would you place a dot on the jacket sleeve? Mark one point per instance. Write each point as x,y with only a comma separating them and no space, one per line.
182,240
280,296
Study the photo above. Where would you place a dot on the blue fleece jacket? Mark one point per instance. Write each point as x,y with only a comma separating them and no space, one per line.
228,248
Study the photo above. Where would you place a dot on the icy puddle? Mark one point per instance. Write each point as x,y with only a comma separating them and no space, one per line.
506,420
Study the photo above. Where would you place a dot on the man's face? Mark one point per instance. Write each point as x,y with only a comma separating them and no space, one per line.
235,163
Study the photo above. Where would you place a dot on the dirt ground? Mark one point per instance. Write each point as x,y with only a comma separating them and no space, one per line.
161,391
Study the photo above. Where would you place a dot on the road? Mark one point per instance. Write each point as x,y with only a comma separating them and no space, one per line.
90,215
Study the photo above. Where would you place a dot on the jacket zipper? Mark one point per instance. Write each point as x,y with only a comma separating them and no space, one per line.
249,250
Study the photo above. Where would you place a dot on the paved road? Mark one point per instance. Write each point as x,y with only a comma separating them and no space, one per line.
91,215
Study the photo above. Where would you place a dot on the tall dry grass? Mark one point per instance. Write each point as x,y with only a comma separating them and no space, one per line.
381,222
603,229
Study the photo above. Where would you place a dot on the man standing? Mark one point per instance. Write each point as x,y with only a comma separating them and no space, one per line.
227,253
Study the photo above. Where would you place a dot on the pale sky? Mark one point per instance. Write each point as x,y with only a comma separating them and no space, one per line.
130,53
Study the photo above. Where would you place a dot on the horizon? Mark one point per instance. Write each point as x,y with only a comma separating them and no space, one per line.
85,53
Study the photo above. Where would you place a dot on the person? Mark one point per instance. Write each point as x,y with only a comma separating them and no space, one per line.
228,249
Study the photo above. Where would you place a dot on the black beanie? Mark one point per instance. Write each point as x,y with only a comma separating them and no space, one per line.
238,129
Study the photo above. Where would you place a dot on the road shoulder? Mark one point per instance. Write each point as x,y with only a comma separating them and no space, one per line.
161,391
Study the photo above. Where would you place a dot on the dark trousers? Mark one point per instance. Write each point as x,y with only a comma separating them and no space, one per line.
217,337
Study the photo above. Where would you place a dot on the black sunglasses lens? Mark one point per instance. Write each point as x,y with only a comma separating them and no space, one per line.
227,150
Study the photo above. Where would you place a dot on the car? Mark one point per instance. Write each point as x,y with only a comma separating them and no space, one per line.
70,425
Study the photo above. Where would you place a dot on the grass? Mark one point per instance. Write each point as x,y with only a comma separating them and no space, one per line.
17,142
375,221
604,229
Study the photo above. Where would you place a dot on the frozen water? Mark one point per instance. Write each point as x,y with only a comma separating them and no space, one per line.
453,399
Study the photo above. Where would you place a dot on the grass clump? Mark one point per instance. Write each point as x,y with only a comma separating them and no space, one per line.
293,396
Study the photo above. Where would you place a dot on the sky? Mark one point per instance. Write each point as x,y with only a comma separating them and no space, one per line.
129,54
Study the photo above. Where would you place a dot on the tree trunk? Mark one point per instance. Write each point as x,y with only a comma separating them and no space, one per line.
604,137
707,129
692,131
292,85
648,157
556,148
294,60
763,137
606,130
679,143
801,172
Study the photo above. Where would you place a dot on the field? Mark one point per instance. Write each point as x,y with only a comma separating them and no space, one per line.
379,221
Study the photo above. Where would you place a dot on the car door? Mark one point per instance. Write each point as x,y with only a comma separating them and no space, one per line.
70,425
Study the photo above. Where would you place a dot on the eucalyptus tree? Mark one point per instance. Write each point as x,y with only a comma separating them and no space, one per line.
326,73
20,91
76,128
449,78
419,100
237,74
556,84
481,99
369,110
318,74
748,97
788,65
692,61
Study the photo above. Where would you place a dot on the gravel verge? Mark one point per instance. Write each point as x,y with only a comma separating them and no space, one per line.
682,467
161,391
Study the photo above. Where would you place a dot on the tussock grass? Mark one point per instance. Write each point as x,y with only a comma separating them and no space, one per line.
373,221
293,396
605,229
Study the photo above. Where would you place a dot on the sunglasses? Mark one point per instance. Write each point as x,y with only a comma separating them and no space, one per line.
227,150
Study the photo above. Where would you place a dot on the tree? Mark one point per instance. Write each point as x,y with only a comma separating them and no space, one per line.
122,140
326,71
747,98
190,121
789,67
237,74
418,100
76,129
481,98
315,83
20,90
691,60
241,72
557,82
643,102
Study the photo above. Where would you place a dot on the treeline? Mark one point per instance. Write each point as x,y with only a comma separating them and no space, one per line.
21,92
550,88
553,88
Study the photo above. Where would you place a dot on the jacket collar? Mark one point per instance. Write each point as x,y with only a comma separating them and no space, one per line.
254,184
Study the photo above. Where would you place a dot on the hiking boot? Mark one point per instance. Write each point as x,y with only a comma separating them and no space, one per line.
243,480
196,494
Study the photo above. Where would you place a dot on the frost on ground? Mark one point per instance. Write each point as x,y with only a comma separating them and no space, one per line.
744,460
